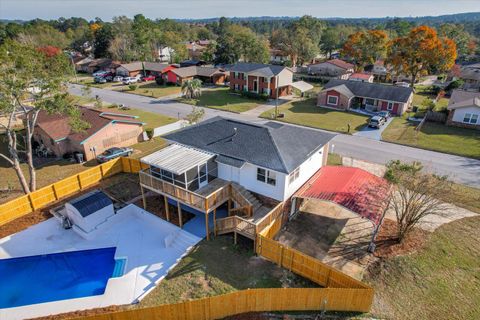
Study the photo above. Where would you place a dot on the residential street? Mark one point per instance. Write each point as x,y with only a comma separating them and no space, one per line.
460,169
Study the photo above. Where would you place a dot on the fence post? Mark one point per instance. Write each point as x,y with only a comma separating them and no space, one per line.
55,191
79,181
281,256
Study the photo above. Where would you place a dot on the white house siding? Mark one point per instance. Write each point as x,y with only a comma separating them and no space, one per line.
285,78
459,114
247,177
307,170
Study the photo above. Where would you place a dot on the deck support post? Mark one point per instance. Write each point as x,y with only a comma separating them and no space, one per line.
229,206
206,226
235,237
215,222
144,200
167,210
180,221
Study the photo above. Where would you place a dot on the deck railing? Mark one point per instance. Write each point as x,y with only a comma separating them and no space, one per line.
236,224
190,198
242,202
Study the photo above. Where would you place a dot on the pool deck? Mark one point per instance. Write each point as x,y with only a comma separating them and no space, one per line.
151,245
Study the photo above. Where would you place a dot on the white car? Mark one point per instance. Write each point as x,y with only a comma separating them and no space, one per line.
99,73
118,79
130,80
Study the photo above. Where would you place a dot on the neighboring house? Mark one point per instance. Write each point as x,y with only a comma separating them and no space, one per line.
102,64
105,130
464,109
134,68
470,74
165,54
346,94
191,63
261,78
206,74
195,50
335,68
362,77
273,159
82,65
278,56
378,69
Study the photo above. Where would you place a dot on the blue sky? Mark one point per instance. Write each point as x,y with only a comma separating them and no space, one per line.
106,9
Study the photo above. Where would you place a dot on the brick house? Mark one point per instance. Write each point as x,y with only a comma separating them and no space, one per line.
134,68
261,79
106,130
205,74
464,109
346,94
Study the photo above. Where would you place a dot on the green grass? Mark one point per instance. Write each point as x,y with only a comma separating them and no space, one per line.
334,159
420,95
441,281
151,120
217,267
306,113
464,196
434,136
145,148
223,99
150,89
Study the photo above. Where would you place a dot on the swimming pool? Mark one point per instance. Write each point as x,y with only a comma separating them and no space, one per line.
58,276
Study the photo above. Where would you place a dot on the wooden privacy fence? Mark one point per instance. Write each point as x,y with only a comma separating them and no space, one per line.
42,197
253,300
306,266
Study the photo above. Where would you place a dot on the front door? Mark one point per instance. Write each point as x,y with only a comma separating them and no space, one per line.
202,175
255,85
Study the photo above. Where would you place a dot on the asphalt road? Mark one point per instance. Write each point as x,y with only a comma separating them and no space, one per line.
460,169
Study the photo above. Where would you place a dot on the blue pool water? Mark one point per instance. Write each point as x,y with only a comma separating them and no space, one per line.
58,276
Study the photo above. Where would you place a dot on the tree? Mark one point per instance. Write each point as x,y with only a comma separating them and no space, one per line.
457,33
27,73
103,37
195,116
421,51
415,196
330,41
191,88
121,47
366,47
240,43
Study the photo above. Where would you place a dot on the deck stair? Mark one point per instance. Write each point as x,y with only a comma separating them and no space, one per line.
250,198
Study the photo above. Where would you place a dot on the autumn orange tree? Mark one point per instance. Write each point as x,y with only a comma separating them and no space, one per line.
421,51
366,47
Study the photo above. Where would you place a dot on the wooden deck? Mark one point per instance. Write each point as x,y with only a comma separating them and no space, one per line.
212,187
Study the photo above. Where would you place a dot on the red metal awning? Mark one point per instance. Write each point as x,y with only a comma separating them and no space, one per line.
352,188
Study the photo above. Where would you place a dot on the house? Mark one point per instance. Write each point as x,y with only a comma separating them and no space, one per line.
362,77
335,68
134,68
470,74
81,65
190,63
102,64
165,54
464,109
378,69
278,56
206,74
346,94
222,162
54,133
195,50
261,78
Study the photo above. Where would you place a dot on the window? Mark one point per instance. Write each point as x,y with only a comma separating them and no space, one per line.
332,100
470,118
271,178
266,176
261,174
390,106
370,102
294,175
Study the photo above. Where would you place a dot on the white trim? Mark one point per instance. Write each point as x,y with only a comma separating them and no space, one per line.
332,104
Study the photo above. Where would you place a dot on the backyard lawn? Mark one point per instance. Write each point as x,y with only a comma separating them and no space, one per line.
150,89
440,281
306,113
223,99
434,136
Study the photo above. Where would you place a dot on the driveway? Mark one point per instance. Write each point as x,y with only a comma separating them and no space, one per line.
373,133
460,169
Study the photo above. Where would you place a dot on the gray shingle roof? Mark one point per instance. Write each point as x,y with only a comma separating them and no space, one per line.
274,146
266,70
373,90
196,71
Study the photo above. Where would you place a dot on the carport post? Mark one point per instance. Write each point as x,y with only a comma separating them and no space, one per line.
179,208
206,225
167,212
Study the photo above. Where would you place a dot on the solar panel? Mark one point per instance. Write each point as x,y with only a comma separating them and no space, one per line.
91,203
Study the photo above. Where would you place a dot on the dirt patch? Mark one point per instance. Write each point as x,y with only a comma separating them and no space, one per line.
83,313
387,244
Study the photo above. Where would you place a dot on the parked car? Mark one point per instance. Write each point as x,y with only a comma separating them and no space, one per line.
113,153
148,78
384,114
99,73
118,79
402,84
376,122
99,80
129,80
